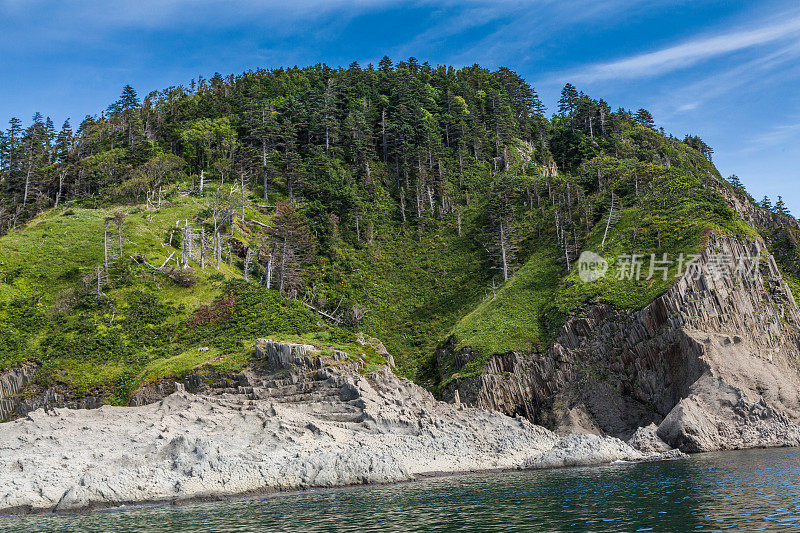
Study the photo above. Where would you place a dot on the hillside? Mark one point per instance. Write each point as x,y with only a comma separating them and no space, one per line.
435,209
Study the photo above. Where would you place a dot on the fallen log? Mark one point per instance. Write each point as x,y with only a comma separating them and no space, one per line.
323,313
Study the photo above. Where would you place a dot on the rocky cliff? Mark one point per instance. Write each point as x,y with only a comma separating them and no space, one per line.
713,363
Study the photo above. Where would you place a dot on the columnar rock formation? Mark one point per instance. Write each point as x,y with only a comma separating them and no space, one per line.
20,394
12,383
713,362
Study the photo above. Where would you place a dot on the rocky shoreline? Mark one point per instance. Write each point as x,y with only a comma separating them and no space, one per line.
310,421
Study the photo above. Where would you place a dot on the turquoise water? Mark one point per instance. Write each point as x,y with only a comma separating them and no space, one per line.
757,490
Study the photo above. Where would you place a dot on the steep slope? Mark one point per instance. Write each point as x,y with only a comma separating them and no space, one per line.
63,343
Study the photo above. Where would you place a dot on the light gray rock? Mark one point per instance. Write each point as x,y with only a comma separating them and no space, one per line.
718,416
576,450
646,440
291,429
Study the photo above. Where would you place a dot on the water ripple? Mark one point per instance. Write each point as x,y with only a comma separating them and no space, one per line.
755,490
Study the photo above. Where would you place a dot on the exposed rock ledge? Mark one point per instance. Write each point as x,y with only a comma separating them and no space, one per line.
712,364
299,421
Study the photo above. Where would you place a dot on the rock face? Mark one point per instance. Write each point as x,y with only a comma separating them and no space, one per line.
646,439
274,427
20,394
287,356
713,363
12,383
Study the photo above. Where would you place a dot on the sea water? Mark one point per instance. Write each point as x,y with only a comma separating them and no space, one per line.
754,490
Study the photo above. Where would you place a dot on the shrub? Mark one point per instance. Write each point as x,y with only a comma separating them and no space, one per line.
213,312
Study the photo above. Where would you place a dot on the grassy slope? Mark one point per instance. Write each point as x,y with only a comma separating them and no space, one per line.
414,285
138,331
414,288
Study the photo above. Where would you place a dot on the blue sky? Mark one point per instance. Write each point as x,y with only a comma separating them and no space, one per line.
725,70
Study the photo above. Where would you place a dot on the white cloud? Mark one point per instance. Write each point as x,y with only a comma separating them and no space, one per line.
763,71
690,106
777,136
689,53
111,14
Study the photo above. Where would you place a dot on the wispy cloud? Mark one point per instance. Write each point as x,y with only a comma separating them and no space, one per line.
689,53
760,72
149,13
86,20
776,136
524,26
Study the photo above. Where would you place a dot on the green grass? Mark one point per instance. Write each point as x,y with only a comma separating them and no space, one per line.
413,287
511,318
210,358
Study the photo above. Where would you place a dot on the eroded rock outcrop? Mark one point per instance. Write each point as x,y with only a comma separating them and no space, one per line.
696,362
12,384
279,425
20,394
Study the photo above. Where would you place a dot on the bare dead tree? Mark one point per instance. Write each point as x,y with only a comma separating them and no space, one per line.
119,219
502,247
612,218
105,242
295,246
248,263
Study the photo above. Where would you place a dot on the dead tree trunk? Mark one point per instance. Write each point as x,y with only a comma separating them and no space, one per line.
283,265
503,250
60,186
185,242
105,246
119,235
383,133
27,184
264,164
202,248
248,259
188,241
241,180
269,270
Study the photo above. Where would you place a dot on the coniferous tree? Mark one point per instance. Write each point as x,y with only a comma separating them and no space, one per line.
394,140
124,112
569,99
644,118
780,207
385,64
13,155
766,203
734,180
698,144
263,128
330,102
295,246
